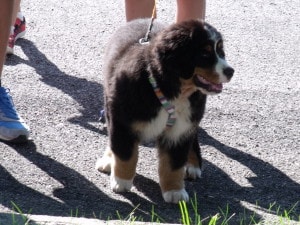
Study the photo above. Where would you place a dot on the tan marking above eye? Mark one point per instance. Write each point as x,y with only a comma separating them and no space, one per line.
208,48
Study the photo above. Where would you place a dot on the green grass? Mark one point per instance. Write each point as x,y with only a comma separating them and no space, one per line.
223,217
189,215
21,218
285,216
155,218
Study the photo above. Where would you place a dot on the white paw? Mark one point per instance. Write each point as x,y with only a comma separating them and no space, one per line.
104,164
120,185
192,172
175,196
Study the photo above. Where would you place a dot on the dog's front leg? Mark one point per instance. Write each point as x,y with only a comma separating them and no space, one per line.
123,171
171,170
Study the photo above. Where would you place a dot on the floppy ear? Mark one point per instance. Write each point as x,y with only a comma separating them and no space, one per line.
176,48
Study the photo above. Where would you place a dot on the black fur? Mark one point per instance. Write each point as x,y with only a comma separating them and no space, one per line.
171,57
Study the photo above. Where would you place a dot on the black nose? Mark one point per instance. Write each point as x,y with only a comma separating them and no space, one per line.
228,71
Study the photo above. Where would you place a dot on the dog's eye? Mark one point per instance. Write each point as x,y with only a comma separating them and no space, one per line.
220,49
206,51
220,45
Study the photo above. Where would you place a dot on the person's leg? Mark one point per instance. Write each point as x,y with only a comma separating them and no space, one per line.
16,9
17,28
138,9
12,128
6,9
190,9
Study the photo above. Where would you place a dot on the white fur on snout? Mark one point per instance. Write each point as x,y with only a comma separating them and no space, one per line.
193,172
219,68
175,196
120,185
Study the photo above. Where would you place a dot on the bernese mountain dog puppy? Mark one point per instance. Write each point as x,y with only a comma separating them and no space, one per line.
157,90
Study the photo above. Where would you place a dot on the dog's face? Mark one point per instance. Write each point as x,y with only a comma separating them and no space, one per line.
212,70
194,51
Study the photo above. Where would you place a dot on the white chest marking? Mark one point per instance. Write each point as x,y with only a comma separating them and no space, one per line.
155,127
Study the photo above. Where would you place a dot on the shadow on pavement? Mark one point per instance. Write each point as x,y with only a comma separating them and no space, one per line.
216,190
269,185
77,193
87,93
7,219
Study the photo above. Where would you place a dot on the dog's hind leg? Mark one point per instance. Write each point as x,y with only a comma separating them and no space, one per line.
103,164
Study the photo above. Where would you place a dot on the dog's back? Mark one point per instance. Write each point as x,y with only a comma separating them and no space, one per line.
124,63
128,36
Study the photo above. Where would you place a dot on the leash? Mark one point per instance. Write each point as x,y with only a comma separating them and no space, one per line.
145,40
163,100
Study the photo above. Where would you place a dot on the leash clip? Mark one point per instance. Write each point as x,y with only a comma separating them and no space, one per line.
144,41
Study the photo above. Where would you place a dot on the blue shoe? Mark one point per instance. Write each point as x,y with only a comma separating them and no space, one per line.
12,127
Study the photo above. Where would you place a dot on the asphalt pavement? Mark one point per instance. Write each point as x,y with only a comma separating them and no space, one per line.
250,136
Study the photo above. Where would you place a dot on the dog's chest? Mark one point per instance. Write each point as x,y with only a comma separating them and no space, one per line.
155,127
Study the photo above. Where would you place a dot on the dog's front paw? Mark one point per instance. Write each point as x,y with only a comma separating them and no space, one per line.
120,185
175,196
192,172
104,164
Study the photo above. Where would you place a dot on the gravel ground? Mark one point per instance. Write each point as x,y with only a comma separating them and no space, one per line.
249,136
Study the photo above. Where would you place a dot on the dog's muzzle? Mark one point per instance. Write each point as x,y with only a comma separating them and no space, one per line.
215,85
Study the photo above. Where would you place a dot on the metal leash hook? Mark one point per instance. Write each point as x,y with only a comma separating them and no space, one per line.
145,40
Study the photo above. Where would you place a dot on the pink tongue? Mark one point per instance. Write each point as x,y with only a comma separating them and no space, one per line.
216,87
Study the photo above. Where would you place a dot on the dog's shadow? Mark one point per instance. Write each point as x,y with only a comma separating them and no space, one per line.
268,186
215,190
